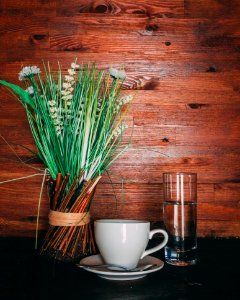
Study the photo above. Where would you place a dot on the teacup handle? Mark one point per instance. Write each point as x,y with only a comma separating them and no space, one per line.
158,247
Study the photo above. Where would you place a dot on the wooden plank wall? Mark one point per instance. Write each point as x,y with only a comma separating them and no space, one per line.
182,57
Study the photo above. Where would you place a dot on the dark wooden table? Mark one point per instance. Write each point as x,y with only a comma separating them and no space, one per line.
26,275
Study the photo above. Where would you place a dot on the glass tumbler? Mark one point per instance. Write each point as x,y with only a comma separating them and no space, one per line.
180,217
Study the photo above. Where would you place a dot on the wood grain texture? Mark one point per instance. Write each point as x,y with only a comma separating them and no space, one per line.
212,8
182,59
168,8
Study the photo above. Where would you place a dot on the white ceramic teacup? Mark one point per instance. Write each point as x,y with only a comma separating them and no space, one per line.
123,242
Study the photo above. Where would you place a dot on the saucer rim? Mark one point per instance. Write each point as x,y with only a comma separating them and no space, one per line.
125,273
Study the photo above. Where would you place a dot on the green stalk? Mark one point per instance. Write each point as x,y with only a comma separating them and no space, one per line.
84,137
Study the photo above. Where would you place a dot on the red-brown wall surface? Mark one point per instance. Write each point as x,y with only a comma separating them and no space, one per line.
182,57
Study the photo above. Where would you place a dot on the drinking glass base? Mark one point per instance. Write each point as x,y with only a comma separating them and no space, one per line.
180,258
181,263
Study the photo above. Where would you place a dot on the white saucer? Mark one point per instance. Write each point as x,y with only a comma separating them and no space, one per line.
105,273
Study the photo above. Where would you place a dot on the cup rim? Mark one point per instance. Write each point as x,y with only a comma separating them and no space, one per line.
180,173
121,221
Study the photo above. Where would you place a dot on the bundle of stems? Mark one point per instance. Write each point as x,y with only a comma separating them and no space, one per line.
63,240
77,121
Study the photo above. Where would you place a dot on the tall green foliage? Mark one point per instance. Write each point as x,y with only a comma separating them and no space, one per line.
76,119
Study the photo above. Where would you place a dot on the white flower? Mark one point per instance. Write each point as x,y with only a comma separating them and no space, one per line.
67,97
28,72
52,109
66,85
67,92
30,90
63,92
54,116
120,130
74,66
125,99
71,72
117,74
69,78
52,102
58,130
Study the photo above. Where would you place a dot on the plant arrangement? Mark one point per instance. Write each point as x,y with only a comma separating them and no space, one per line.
77,120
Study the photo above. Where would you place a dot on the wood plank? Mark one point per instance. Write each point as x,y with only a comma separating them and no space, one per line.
151,76
206,228
145,201
38,39
211,228
227,192
27,7
186,98
207,172
181,59
119,197
168,8
19,24
149,193
175,35
211,8
147,165
91,34
154,211
187,115
10,227
191,97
